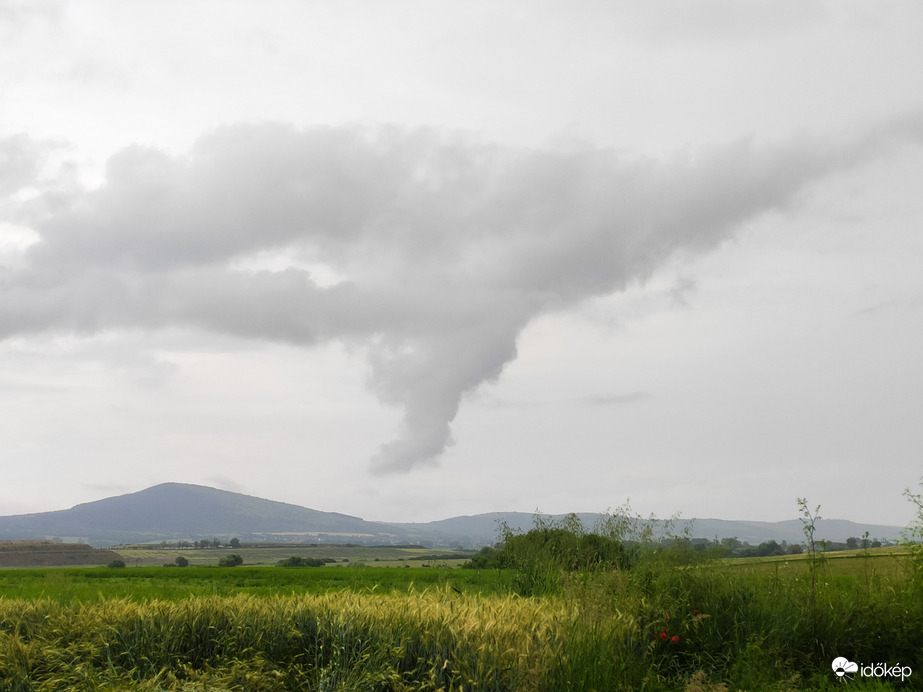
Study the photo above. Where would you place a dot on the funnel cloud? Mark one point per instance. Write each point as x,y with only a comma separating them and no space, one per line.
430,252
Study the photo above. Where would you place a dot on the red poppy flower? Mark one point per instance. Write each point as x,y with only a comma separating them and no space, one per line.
663,635
674,638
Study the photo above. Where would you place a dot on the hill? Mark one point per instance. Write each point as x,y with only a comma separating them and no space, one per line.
173,511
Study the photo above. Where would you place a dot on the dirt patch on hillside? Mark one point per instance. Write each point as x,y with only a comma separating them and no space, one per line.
52,554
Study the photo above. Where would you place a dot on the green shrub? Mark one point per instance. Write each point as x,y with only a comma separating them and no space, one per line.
296,561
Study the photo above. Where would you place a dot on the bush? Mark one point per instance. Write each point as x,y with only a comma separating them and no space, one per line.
116,563
542,555
295,561
483,559
181,561
231,560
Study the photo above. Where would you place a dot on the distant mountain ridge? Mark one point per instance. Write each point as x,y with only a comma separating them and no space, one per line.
172,511
484,527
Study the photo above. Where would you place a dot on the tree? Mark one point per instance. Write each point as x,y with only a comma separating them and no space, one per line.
116,563
769,548
295,561
235,542
181,561
731,544
231,560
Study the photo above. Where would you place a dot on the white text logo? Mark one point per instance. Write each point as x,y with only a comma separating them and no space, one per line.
845,669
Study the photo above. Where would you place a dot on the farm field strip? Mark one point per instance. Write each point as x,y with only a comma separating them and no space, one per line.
271,555
145,583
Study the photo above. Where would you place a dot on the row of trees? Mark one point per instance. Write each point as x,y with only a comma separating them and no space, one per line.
296,561
735,548
202,544
230,560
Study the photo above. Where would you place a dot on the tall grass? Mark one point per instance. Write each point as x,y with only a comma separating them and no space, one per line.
657,628
429,640
665,624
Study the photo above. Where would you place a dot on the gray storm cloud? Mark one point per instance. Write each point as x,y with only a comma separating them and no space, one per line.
448,247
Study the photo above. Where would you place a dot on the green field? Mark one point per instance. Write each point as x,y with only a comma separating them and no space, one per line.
95,584
670,621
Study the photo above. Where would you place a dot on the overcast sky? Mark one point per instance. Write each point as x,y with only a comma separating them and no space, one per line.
410,260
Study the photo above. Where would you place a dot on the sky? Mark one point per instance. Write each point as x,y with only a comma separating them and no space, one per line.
411,260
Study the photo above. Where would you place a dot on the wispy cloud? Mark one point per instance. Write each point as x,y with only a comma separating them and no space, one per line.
615,399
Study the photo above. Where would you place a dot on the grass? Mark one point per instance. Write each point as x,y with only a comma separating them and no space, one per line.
663,625
416,640
67,585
